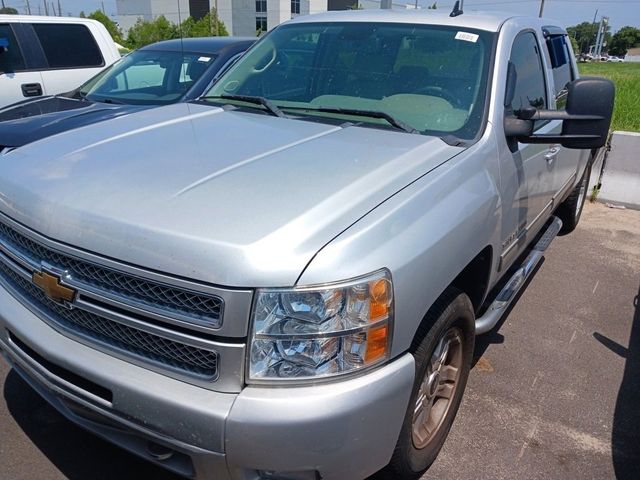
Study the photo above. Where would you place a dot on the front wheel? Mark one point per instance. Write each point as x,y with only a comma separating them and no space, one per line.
443,360
570,210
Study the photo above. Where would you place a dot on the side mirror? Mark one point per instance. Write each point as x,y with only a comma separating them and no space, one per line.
586,118
588,97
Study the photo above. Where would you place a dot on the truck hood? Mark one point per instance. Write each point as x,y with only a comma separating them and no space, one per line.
36,119
227,197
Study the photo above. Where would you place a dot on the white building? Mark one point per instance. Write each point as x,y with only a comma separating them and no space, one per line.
241,17
633,55
130,10
369,4
247,17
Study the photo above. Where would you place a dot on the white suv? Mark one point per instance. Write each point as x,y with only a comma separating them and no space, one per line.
50,55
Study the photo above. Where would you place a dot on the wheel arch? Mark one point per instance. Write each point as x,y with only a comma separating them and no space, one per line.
473,281
474,278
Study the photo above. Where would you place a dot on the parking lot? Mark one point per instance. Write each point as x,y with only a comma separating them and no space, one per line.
554,393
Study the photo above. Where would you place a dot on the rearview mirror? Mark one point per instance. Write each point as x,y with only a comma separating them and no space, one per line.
586,118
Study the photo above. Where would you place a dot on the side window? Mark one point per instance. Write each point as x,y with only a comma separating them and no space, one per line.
57,39
11,60
530,89
561,67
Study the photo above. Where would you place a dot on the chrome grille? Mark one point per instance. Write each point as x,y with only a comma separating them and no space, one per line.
168,300
147,346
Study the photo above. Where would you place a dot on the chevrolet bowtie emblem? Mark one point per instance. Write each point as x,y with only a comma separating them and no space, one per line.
50,285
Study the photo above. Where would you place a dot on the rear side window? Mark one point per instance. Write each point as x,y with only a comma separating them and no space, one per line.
530,88
561,67
11,60
68,46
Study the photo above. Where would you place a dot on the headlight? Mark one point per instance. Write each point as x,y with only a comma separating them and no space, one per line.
307,333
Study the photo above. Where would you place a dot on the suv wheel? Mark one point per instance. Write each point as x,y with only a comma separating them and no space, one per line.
443,359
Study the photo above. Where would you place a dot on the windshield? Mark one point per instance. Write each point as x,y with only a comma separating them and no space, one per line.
148,77
429,78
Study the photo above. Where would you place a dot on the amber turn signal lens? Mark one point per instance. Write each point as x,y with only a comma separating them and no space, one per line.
377,341
380,301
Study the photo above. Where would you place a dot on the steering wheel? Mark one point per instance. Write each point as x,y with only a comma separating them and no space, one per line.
268,60
441,93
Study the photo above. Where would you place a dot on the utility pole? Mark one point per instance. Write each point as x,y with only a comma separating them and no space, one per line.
541,8
386,4
3,5
597,44
595,31
602,31
103,8
46,8
28,8
59,9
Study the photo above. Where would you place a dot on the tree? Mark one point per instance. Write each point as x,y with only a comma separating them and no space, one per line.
574,46
208,26
585,35
145,32
623,40
8,11
110,25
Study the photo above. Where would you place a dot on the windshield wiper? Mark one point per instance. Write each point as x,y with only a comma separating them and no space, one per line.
266,103
112,100
393,121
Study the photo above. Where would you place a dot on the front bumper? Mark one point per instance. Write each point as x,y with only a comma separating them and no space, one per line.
342,430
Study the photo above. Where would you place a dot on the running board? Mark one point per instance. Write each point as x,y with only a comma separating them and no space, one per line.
497,308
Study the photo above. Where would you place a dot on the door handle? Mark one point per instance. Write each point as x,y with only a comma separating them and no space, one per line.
551,154
31,89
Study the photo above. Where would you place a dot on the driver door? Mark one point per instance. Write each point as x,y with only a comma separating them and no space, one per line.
529,173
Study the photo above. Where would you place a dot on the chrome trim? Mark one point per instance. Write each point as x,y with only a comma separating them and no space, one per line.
227,380
145,321
138,359
237,302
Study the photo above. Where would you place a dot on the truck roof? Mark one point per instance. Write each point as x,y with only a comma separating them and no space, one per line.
200,44
490,21
43,19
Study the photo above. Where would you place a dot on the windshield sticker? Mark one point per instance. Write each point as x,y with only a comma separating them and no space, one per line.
467,37
204,59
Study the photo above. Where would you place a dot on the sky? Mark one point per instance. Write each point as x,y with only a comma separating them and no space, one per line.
567,12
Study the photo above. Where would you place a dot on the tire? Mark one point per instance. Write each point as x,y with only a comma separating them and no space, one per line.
450,319
570,210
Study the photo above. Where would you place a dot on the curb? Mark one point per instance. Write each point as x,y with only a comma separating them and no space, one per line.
621,176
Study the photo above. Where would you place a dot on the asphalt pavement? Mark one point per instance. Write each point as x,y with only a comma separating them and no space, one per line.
554,392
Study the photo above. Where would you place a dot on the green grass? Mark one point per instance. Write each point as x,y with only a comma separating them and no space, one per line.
626,76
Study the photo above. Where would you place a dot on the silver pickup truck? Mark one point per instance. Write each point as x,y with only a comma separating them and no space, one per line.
284,279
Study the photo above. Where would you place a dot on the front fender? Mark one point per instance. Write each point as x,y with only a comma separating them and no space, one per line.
425,235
